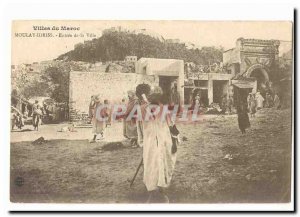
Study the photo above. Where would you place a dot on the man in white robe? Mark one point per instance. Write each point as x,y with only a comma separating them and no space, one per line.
159,161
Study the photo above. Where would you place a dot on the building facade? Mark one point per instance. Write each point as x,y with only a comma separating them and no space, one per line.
131,58
165,72
252,58
211,87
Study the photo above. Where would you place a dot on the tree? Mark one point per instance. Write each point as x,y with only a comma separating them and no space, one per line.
280,69
116,45
37,87
57,78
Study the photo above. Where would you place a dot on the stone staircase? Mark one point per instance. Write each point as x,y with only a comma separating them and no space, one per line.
79,120
82,125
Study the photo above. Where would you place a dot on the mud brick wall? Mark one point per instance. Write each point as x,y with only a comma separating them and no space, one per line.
110,86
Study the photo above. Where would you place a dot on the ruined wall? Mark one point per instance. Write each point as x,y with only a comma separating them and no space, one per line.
231,56
147,79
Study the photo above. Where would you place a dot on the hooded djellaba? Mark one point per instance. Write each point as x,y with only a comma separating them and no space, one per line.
130,124
158,155
242,111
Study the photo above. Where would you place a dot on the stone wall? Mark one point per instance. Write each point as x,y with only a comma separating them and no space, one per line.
110,86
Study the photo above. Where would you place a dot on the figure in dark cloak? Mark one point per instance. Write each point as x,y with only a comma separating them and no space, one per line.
242,111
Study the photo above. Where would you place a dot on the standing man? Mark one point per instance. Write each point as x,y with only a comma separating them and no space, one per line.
242,111
175,97
197,101
224,104
91,108
249,101
276,101
158,155
259,100
35,114
141,91
252,105
130,131
13,119
37,117
97,124
269,100
230,104
35,105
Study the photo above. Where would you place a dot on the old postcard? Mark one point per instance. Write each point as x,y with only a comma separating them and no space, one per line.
139,112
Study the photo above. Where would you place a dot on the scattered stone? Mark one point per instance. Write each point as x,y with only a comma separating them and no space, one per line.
64,129
112,146
248,177
228,156
69,128
218,133
212,181
272,171
184,138
39,141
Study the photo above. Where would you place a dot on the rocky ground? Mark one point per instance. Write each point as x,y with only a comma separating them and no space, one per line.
215,164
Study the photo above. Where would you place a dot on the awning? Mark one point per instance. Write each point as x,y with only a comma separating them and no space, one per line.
166,73
195,87
243,85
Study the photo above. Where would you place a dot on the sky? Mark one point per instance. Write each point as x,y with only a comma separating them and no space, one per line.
202,33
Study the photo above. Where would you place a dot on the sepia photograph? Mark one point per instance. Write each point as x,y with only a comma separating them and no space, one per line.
151,112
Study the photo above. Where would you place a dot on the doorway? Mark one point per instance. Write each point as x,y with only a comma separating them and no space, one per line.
261,79
203,93
219,90
165,82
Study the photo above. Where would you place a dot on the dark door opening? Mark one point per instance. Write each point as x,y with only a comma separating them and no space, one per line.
219,90
188,96
261,81
203,93
165,82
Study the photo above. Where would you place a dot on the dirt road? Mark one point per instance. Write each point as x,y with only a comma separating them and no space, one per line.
216,164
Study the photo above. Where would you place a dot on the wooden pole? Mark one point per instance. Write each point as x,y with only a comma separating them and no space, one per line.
136,172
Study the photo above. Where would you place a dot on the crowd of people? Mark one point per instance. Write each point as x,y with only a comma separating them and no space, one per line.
253,103
36,111
256,102
16,119
243,102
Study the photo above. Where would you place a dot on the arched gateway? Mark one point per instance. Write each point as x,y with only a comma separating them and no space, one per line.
258,72
252,58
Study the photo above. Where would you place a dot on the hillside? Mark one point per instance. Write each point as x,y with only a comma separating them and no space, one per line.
116,45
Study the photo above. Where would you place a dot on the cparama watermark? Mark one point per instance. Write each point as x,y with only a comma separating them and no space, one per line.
147,113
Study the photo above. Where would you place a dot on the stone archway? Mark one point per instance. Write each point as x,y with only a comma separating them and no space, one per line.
260,73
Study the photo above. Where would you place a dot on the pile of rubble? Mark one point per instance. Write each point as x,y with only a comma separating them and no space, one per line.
213,108
120,66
